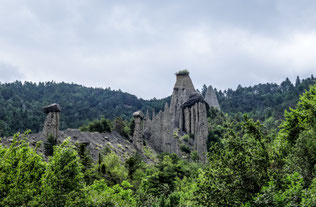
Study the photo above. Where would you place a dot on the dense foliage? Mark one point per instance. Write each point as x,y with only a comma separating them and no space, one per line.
264,102
21,105
248,165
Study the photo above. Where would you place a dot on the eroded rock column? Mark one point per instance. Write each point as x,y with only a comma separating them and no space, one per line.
195,122
51,124
138,135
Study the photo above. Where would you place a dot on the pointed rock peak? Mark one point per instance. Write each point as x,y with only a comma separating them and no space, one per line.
183,81
153,115
166,107
147,114
210,88
211,98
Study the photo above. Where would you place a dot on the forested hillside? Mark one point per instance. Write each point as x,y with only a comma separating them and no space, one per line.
264,102
21,105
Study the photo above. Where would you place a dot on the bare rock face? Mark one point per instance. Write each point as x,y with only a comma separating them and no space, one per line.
138,135
194,122
211,98
187,114
51,124
182,89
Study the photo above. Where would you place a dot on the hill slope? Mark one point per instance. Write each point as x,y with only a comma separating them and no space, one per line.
264,101
21,105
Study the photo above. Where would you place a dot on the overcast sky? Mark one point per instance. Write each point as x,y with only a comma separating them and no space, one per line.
137,46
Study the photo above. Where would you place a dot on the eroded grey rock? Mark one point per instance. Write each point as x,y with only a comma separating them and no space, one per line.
138,135
187,114
211,98
51,125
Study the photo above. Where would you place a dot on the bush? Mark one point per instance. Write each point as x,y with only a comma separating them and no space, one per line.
49,145
103,125
186,137
184,148
194,156
183,72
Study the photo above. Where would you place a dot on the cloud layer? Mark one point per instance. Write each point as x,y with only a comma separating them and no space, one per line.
137,46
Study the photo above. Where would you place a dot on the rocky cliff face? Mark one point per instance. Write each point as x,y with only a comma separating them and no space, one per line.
187,114
211,98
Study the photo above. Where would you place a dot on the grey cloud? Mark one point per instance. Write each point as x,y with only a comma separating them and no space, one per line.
9,73
137,46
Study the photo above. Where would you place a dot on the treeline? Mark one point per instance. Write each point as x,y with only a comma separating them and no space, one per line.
247,166
21,105
263,101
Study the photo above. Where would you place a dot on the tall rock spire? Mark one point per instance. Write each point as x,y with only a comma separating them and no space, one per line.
211,98
187,114
138,130
182,89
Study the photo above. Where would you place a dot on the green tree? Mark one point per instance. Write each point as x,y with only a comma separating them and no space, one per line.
288,194
100,194
237,171
21,169
204,90
112,169
160,181
62,176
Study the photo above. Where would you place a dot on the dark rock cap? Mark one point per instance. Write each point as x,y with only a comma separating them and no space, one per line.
138,114
51,108
193,98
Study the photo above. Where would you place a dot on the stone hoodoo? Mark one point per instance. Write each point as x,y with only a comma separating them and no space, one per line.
138,136
187,114
211,98
51,125
194,121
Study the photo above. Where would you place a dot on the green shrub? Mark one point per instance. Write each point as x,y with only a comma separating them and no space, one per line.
183,72
103,125
186,137
49,145
184,148
175,134
194,156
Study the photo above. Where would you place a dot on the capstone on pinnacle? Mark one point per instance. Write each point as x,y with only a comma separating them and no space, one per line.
51,108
